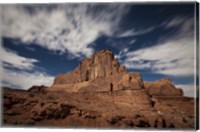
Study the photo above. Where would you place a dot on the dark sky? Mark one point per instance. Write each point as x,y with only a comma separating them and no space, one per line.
41,41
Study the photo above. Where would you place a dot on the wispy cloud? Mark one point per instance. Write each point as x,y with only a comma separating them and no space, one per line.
13,60
24,80
175,57
132,41
133,32
174,22
18,71
185,24
70,27
171,56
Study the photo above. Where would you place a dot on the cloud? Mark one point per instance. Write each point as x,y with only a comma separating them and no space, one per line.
133,32
13,60
24,80
19,72
185,24
132,41
170,56
69,27
175,57
174,22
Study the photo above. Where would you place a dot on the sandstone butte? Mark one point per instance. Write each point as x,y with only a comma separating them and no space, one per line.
100,93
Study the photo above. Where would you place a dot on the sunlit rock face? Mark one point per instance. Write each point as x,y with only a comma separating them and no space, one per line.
163,87
101,64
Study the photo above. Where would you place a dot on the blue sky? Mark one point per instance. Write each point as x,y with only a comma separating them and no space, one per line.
41,41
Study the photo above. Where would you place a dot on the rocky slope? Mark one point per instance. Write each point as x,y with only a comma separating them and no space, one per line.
124,109
100,93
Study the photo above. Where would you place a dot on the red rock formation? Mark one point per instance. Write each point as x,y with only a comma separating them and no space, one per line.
101,70
130,80
125,109
163,87
41,89
101,64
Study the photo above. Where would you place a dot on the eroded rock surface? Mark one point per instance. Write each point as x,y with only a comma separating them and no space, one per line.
124,109
41,88
101,64
163,87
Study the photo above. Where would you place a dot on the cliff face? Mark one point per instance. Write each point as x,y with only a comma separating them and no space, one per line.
101,64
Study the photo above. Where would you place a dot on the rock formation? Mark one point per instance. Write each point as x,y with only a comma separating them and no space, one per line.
101,64
95,74
163,87
41,89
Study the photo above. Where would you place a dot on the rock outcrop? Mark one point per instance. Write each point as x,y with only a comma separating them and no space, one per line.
95,74
125,109
130,80
163,87
50,110
101,64
41,89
